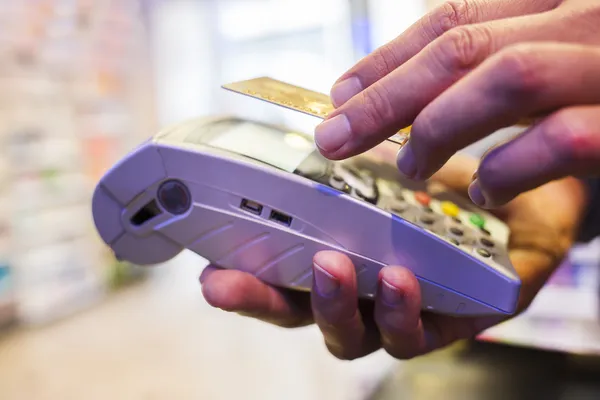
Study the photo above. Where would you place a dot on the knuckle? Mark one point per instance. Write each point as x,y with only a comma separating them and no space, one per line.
524,74
451,15
585,18
566,136
376,108
424,133
385,60
464,47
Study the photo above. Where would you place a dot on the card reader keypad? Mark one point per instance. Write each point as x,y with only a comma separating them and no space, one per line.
357,183
443,218
467,231
446,220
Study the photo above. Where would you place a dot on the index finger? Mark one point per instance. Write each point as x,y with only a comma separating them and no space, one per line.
441,19
394,101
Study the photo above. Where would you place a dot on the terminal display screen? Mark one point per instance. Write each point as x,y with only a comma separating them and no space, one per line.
278,148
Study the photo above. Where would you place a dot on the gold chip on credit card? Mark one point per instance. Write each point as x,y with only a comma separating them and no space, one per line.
295,98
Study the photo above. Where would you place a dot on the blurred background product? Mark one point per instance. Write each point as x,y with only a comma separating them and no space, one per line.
76,91
82,82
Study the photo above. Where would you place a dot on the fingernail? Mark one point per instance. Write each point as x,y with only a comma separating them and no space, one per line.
326,283
405,160
390,294
345,90
476,194
332,133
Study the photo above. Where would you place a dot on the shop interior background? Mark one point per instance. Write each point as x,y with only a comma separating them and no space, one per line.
81,83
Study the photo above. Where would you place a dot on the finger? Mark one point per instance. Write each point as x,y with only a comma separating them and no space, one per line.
397,313
395,100
457,174
335,307
567,143
405,331
240,292
440,20
518,81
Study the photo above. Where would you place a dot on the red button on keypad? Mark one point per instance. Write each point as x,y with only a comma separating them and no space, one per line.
423,198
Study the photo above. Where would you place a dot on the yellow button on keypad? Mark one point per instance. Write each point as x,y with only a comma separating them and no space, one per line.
450,209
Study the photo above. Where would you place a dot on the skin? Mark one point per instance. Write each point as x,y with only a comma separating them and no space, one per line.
352,329
468,69
462,72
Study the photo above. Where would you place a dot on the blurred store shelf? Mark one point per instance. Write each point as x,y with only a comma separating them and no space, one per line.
75,95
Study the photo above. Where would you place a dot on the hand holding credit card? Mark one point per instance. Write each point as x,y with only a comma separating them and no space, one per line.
295,98
300,99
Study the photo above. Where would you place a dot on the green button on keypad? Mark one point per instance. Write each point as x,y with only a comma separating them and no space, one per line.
477,220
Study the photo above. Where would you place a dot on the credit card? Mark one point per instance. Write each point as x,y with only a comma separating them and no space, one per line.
295,98
305,100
